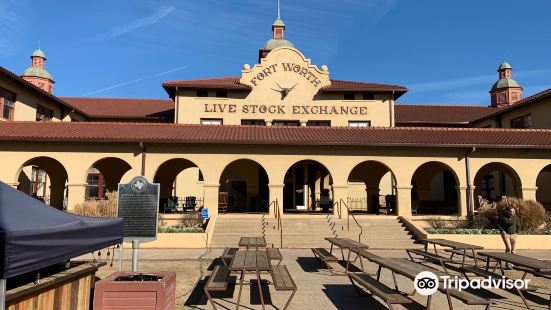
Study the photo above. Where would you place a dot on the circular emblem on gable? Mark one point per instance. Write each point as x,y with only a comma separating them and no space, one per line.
138,185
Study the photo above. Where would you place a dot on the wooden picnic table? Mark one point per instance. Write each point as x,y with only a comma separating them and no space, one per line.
531,265
406,268
454,245
255,262
255,242
536,265
348,244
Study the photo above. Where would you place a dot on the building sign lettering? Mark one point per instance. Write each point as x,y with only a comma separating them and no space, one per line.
285,109
287,67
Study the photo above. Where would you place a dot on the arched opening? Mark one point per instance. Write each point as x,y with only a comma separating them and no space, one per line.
103,176
496,180
44,178
245,182
181,186
308,188
543,182
434,190
371,189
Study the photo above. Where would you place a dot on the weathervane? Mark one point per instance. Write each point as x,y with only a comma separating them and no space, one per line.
278,10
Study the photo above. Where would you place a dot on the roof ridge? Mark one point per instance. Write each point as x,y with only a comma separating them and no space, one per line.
116,98
467,129
361,82
443,105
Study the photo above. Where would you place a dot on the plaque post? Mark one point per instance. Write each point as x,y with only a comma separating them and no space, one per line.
135,248
2,294
120,256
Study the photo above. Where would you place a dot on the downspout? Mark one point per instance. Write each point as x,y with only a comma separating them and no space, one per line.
391,109
470,206
142,147
176,105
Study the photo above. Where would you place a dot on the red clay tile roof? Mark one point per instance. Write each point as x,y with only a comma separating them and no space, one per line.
123,107
16,78
246,135
519,104
232,83
439,114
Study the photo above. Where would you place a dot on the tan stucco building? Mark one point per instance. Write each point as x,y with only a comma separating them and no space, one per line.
283,131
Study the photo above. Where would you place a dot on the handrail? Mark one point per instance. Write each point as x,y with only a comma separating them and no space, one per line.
338,209
279,224
341,203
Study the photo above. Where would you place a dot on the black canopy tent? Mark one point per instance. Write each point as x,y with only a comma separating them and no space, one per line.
34,235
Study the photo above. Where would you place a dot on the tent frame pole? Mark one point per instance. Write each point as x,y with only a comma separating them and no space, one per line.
2,294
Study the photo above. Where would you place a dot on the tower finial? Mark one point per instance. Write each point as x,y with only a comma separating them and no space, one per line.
278,10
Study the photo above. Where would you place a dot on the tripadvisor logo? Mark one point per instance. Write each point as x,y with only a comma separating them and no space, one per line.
426,283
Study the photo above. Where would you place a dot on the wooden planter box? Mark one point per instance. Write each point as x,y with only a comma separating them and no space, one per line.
128,295
67,289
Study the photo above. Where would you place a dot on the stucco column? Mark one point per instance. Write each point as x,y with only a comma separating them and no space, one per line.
76,194
462,200
529,193
276,193
371,192
211,198
340,191
403,200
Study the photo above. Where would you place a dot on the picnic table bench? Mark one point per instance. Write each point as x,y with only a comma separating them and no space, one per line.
388,295
429,256
326,257
275,254
363,253
228,255
218,282
283,282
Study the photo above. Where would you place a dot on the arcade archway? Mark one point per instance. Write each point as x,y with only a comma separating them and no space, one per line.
103,176
44,178
245,182
543,182
308,188
181,185
371,187
434,190
496,180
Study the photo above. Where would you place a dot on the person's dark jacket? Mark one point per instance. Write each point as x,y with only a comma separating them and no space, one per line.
508,224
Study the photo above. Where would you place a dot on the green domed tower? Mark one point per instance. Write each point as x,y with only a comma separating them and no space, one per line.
278,40
505,91
37,75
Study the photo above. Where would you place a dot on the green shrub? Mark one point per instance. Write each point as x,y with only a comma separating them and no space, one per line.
437,222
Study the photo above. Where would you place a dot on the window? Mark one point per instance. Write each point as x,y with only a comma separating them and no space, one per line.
38,182
222,94
253,122
514,96
286,123
524,121
368,96
349,96
94,185
202,93
501,98
43,114
359,124
211,121
318,123
7,103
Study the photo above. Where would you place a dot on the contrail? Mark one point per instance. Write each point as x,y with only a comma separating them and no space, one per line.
135,81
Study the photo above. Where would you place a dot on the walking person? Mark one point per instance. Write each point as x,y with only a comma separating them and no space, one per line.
509,226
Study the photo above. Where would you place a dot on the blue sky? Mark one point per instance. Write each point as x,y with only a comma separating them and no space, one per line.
443,51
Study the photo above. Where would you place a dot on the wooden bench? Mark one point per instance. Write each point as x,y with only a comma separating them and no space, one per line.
283,281
429,256
467,298
218,282
363,253
388,295
228,255
326,257
468,254
275,254
485,273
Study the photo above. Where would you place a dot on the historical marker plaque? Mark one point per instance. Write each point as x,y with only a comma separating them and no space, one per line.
138,206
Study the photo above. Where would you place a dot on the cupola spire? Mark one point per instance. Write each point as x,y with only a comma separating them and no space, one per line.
505,91
37,74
